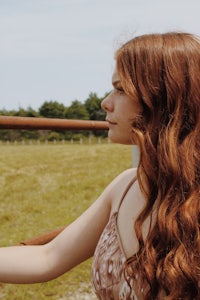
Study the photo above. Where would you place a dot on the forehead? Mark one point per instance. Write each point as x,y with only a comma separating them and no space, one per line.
115,76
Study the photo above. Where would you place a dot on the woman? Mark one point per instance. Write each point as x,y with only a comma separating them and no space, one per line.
144,230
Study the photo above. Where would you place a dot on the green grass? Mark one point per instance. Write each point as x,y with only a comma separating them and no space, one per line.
47,186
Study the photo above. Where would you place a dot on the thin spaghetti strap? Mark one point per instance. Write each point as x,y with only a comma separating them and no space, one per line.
131,182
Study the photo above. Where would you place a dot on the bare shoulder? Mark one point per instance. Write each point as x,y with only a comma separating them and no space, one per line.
117,187
125,176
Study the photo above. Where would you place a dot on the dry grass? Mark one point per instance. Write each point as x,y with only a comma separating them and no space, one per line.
47,186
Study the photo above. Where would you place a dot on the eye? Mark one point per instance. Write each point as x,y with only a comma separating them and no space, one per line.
119,89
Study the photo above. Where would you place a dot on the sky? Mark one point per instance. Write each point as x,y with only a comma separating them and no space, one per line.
62,50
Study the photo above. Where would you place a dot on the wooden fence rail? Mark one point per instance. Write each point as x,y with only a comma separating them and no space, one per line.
43,238
30,123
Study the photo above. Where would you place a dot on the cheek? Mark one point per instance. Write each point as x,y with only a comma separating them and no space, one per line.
125,133
134,107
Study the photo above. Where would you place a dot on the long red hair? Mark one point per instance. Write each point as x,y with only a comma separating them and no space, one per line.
164,71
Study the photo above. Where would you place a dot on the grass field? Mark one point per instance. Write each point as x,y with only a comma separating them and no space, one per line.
47,186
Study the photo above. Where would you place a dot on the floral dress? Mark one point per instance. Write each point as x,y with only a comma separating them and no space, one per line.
109,276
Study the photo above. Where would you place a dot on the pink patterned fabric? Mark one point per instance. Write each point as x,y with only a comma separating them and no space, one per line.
108,270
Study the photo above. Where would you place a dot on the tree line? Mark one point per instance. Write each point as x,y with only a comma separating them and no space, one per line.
89,110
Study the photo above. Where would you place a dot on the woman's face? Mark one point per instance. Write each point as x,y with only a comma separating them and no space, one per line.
121,111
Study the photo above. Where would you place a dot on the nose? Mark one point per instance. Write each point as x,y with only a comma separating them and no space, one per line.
107,103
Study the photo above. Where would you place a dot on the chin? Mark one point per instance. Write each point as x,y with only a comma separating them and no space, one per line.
119,140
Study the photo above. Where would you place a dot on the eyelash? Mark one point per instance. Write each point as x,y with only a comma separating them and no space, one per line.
119,90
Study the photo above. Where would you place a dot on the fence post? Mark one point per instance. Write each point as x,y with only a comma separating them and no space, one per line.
135,156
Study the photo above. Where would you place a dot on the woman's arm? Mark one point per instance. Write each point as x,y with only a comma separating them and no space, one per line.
30,264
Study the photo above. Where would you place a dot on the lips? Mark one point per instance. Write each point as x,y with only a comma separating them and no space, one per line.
111,122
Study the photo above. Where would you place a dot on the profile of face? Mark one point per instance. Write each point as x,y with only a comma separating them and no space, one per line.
121,111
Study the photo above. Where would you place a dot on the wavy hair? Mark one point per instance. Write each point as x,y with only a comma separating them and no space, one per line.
164,71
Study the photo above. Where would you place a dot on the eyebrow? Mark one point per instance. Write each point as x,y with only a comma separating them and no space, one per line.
116,82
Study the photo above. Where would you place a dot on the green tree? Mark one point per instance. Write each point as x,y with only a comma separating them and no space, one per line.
25,134
4,112
52,109
29,112
19,134
93,106
77,110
